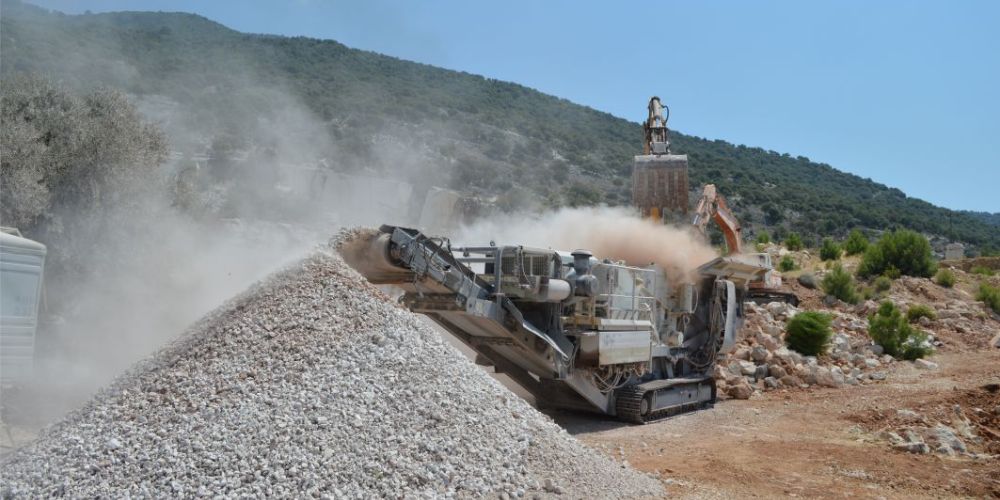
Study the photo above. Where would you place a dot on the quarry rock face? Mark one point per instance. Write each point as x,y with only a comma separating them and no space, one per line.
312,383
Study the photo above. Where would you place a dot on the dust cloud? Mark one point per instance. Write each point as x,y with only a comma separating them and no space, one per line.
125,280
609,232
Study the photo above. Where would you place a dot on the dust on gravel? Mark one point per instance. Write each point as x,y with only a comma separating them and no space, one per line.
311,383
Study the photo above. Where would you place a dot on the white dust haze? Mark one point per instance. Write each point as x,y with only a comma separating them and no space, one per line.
609,232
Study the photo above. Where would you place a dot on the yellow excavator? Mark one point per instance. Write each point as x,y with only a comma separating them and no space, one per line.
660,192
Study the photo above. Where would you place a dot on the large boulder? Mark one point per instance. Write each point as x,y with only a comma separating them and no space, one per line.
807,280
759,353
769,342
947,441
827,378
741,389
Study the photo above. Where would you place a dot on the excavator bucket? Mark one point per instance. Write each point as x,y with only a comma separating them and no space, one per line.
660,184
659,178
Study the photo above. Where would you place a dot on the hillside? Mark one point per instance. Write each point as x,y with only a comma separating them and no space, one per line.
441,127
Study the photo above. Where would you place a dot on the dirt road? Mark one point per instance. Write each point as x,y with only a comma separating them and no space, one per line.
816,442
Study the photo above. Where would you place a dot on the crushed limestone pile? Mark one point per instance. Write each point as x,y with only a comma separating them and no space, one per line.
312,384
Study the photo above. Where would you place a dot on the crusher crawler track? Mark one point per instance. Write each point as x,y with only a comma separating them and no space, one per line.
633,403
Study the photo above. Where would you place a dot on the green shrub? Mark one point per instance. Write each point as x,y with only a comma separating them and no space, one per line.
856,243
809,333
867,293
840,284
902,251
889,329
919,311
793,242
763,238
829,250
990,295
892,273
916,346
982,271
882,284
945,278
787,264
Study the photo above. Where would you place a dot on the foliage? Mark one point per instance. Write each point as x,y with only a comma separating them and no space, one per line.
787,264
856,243
901,251
763,238
61,150
945,278
579,194
205,68
793,242
981,270
917,346
829,250
917,311
839,283
67,159
889,329
990,295
809,333
882,284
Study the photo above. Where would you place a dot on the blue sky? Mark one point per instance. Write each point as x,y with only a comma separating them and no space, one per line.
906,93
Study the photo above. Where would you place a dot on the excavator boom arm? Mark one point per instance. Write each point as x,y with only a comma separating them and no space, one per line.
713,206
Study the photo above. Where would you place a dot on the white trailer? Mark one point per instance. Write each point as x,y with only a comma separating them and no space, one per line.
22,264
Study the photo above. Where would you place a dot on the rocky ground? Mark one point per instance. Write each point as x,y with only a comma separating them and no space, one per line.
312,384
818,442
851,423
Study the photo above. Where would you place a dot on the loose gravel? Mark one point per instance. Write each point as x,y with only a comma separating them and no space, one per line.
312,383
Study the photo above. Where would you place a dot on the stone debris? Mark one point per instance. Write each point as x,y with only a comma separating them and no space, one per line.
312,384
762,362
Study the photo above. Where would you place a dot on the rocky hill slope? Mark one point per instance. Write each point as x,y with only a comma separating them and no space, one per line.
434,126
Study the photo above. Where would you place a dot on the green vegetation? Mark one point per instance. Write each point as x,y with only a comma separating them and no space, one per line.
945,278
66,157
898,252
889,329
580,194
856,243
497,134
840,284
917,311
882,284
787,264
793,242
809,333
763,238
990,295
981,270
829,250
917,346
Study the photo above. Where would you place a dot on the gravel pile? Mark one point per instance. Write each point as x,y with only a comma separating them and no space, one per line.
312,384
